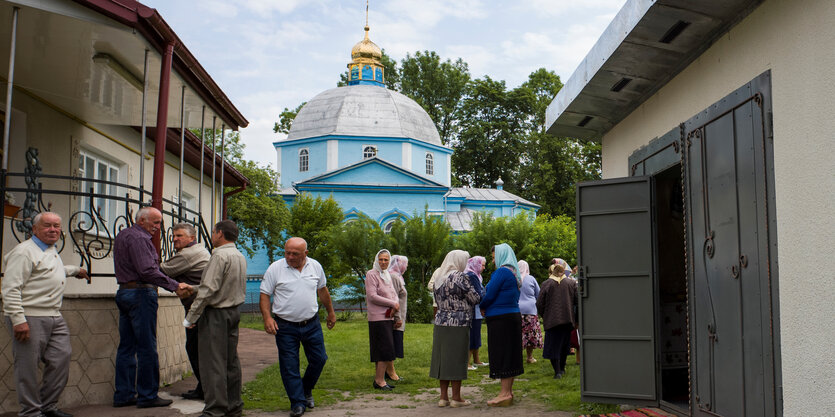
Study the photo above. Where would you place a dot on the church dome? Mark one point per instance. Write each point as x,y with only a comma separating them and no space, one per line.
366,49
363,110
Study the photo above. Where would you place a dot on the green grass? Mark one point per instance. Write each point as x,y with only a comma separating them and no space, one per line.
349,373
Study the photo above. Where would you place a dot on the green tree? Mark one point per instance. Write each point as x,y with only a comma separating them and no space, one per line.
437,86
491,136
356,243
313,219
285,119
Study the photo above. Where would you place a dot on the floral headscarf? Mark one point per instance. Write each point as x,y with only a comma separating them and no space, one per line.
384,273
454,261
564,265
524,269
476,266
398,264
506,257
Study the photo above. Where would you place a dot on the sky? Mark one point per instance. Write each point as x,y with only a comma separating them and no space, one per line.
270,54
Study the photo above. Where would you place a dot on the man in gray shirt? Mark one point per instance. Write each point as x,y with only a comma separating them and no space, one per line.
293,317
222,290
187,266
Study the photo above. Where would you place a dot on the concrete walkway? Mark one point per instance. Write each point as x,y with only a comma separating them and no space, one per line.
257,351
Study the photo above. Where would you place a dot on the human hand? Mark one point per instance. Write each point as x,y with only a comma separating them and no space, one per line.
482,312
398,323
82,274
331,320
270,326
184,290
396,307
21,332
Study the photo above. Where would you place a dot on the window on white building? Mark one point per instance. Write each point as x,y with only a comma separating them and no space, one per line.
304,158
95,167
369,151
430,164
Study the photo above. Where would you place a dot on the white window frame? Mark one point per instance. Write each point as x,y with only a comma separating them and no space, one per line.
430,163
365,147
111,209
304,159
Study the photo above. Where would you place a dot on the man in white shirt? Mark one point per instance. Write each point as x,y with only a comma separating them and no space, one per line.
293,317
33,291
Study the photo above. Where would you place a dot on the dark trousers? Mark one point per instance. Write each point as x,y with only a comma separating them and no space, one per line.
288,338
557,345
137,362
192,350
221,369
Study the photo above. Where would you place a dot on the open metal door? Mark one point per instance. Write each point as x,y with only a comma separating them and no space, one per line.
615,246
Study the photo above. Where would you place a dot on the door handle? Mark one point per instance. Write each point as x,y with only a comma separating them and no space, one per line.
583,281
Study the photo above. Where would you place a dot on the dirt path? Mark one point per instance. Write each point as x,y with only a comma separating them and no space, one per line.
257,351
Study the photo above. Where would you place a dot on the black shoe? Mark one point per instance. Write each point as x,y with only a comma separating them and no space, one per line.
127,403
297,411
558,375
385,387
56,413
156,402
192,395
400,379
309,399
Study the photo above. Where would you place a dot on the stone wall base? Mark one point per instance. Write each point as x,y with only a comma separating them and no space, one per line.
94,335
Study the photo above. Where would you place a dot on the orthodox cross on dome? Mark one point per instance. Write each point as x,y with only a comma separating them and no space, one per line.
366,66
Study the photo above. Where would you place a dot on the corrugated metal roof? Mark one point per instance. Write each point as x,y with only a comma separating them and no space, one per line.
460,221
488,194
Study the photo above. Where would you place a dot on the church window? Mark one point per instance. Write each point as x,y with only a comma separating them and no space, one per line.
367,72
304,157
369,151
387,227
378,75
430,164
355,72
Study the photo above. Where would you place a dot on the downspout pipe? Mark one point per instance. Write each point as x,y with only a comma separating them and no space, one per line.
161,130
230,194
9,88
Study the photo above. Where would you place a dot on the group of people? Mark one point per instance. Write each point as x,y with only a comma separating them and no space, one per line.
511,304
212,286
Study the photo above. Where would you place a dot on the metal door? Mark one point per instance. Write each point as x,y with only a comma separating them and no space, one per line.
615,236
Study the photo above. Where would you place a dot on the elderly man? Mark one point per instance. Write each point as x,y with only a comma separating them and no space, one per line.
187,266
33,289
293,283
222,290
136,264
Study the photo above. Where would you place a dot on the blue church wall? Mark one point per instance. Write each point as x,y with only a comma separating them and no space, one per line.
441,172
376,204
350,150
372,173
317,162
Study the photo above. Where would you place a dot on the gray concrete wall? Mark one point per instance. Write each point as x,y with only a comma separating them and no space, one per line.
94,334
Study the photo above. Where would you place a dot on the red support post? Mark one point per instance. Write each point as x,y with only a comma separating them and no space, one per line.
161,132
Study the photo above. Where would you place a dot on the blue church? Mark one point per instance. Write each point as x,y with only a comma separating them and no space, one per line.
377,152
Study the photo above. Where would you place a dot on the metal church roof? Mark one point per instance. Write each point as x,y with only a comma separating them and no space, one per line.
363,110
488,194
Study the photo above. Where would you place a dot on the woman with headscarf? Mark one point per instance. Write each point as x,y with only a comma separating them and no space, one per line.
531,332
574,342
556,306
456,298
475,265
381,301
500,307
398,266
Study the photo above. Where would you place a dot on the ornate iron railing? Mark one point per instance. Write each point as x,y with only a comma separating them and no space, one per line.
90,234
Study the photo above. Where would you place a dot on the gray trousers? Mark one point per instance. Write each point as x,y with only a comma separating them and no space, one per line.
49,342
220,369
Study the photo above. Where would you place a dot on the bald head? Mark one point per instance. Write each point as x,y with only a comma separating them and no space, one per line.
46,227
295,252
149,219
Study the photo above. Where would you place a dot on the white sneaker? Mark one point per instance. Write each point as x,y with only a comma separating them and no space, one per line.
472,367
482,364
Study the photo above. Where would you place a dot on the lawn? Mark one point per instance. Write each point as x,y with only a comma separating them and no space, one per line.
349,373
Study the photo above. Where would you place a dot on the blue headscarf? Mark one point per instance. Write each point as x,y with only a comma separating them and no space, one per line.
505,257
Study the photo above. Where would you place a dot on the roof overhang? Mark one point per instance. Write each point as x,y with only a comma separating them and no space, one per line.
646,45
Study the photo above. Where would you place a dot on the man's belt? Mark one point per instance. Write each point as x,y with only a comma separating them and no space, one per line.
134,284
296,323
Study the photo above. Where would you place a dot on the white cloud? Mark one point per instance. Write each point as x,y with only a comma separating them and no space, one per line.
221,8
266,7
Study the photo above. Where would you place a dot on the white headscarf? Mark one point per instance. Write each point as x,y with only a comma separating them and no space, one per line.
384,273
454,261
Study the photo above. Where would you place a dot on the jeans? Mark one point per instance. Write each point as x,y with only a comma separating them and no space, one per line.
137,362
288,338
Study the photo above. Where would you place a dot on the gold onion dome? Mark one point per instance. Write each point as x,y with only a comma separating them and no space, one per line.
365,49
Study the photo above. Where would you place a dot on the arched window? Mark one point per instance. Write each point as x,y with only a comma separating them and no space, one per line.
369,151
303,160
387,227
430,164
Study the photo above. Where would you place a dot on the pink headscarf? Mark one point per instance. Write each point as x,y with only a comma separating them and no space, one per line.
398,265
476,266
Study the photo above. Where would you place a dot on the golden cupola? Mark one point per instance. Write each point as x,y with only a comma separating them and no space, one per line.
366,66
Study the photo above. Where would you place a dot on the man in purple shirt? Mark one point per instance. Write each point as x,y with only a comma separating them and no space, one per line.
136,264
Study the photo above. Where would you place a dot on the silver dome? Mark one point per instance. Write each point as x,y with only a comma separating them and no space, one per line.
363,110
